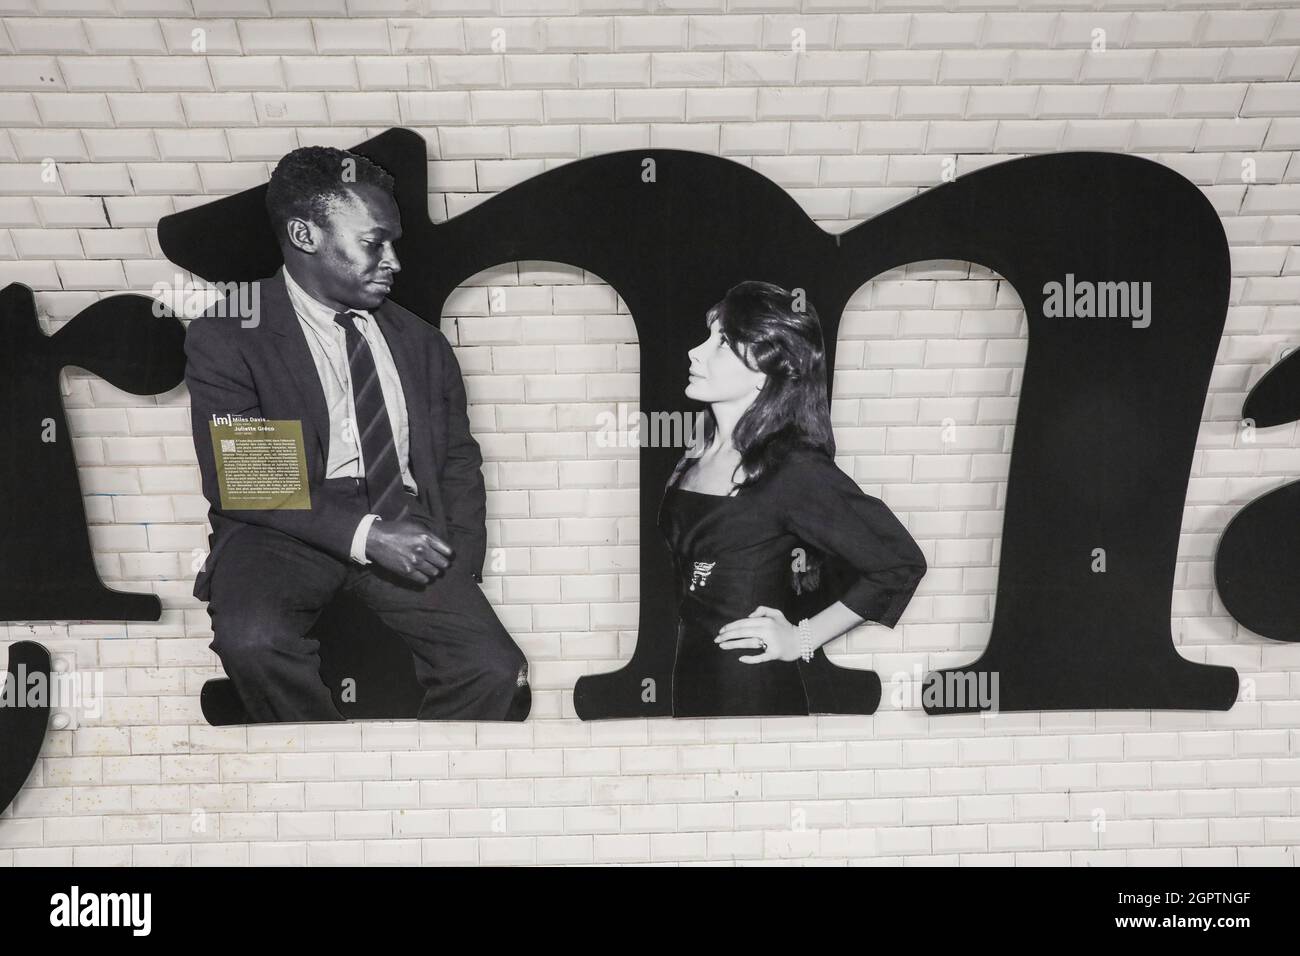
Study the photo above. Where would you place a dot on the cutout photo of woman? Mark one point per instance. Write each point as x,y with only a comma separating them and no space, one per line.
756,510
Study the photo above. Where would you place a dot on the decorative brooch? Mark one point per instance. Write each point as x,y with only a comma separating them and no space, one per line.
701,573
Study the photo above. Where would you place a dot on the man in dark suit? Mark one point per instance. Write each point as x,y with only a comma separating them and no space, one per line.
397,496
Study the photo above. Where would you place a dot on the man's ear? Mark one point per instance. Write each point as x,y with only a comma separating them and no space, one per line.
303,235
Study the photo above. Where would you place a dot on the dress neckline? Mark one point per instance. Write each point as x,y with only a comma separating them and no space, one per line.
703,494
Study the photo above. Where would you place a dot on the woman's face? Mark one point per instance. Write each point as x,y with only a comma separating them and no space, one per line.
718,374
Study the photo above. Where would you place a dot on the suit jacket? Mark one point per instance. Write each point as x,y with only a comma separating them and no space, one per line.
267,371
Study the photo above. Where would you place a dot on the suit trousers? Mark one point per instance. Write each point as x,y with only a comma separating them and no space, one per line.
269,588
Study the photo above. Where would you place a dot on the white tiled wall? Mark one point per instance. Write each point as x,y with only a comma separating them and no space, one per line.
134,123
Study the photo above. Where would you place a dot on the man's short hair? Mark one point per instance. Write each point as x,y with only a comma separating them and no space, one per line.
310,179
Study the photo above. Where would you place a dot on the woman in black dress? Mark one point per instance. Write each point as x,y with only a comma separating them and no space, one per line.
757,509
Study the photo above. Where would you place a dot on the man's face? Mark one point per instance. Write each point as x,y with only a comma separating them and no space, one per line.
352,260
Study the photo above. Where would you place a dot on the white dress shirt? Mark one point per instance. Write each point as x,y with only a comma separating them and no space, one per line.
328,345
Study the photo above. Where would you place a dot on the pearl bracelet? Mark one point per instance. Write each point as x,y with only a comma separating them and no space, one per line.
805,641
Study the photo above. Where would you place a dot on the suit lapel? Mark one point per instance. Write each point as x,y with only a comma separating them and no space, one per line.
412,369
293,351
408,357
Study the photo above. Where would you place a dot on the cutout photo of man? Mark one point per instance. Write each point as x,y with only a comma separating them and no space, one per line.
397,516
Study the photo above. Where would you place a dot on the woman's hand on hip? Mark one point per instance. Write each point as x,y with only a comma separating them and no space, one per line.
766,631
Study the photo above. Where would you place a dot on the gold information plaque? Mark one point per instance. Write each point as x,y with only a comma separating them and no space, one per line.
260,464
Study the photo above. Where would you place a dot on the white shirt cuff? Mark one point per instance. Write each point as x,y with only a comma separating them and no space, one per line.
359,539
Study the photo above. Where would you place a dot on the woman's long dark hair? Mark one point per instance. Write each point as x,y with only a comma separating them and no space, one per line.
776,332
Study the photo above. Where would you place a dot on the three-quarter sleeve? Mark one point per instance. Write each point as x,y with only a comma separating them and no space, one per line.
825,507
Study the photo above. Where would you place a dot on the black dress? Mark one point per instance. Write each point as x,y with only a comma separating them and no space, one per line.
733,554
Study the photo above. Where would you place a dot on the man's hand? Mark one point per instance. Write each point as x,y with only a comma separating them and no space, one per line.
408,548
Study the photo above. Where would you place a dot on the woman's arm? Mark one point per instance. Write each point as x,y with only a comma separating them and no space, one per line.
829,624
825,508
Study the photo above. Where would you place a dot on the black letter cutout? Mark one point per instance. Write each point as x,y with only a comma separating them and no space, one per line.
22,722
1257,564
1108,414
49,571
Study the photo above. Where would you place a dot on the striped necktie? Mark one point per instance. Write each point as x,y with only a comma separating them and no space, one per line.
378,450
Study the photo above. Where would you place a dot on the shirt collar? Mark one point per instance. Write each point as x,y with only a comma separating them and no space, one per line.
311,310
